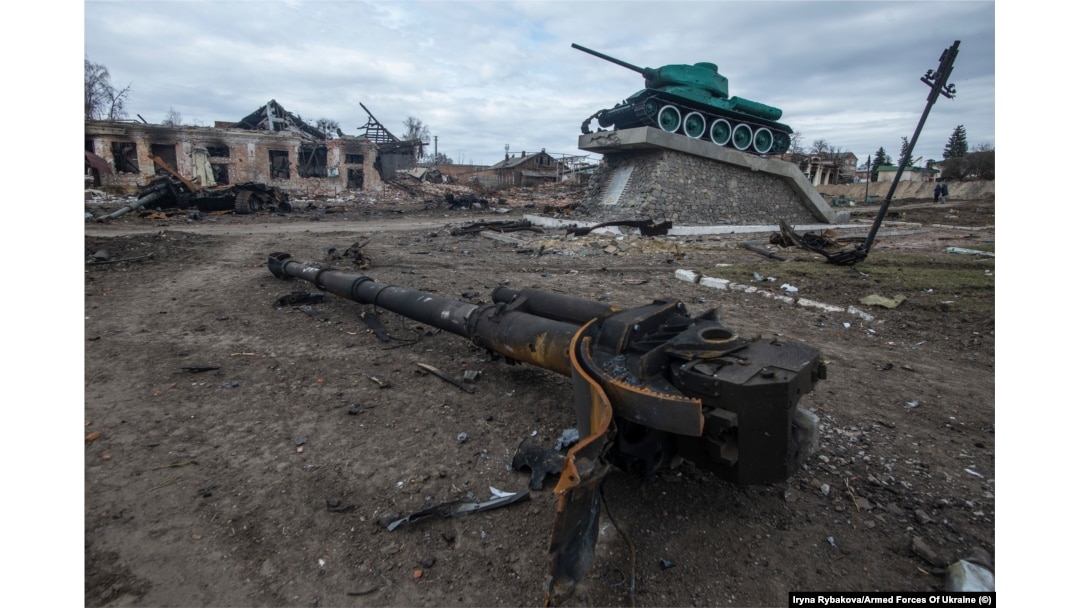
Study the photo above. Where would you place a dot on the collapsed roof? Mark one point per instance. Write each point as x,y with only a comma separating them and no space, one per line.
273,117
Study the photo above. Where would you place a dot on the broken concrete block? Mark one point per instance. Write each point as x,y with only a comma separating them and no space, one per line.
714,282
687,275
821,305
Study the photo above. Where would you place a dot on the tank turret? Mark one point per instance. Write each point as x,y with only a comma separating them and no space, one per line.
693,100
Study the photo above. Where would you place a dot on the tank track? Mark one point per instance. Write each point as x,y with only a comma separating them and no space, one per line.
645,114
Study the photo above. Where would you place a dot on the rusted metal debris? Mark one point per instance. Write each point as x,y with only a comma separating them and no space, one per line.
649,384
96,162
447,377
353,253
761,251
173,192
541,462
818,243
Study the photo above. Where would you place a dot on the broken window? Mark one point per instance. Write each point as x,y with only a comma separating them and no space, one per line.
125,159
354,159
221,170
356,179
167,154
312,161
279,164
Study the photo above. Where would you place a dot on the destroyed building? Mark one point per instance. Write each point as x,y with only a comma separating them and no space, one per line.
527,169
270,146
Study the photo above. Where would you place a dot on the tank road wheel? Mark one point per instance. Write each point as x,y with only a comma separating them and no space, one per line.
669,118
720,133
781,142
763,141
694,125
742,136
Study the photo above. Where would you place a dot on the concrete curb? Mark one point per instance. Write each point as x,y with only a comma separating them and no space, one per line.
724,284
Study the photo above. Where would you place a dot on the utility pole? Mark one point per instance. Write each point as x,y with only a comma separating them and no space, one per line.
867,199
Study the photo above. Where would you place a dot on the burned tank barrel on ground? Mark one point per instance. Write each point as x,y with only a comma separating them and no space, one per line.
649,383
523,337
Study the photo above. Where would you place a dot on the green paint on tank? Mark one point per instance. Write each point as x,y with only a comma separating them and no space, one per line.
685,90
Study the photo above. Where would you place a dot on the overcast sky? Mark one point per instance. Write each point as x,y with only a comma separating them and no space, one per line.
484,75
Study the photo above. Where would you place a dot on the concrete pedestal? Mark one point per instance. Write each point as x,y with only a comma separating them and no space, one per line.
652,174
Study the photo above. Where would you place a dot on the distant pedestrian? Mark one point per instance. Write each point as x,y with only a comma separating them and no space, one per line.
944,193
937,193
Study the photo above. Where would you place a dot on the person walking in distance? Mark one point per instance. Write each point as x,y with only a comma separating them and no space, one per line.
944,193
937,193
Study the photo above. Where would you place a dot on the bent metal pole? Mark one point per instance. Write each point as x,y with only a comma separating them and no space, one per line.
939,85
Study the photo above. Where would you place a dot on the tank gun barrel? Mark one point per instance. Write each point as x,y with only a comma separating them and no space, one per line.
515,334
624,64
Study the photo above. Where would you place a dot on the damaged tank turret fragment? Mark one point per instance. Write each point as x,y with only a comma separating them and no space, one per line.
649,384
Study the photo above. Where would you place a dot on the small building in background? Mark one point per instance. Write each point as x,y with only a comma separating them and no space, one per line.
887,173
526,170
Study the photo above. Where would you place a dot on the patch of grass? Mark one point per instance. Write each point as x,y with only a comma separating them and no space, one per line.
965,280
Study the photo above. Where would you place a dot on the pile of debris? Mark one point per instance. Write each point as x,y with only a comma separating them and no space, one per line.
169,192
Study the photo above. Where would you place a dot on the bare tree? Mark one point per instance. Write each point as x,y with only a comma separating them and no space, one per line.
117,109
328,126
96,85
440,159
820,147
795,149
102,101
415,129
173,118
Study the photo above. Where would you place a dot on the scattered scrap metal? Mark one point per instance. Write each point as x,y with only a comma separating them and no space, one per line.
101,257
818,243
298,298
455,508
354,253
540,462
372,321
465,201
447,377
761,251
172,191
506,226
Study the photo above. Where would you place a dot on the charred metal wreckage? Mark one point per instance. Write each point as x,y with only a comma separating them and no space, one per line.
649,383
169,192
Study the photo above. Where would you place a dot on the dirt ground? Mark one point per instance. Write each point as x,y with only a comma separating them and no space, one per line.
262,481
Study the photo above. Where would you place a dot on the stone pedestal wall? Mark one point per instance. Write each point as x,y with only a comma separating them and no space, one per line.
651,174
686,189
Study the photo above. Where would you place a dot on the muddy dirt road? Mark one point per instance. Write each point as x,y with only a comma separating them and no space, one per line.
261,481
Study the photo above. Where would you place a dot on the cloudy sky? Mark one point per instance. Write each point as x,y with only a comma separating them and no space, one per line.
485,75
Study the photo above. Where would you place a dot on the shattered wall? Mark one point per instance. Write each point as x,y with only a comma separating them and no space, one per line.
236,156
665,185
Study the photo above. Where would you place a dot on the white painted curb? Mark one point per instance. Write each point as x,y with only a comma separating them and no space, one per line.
724,284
